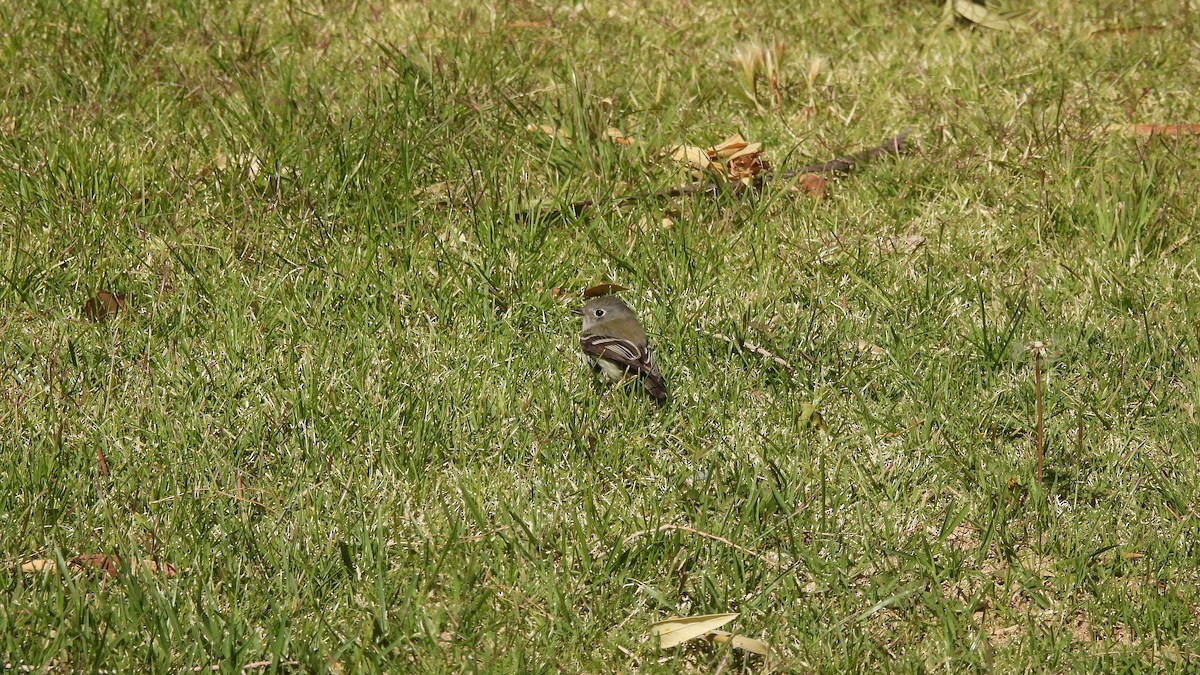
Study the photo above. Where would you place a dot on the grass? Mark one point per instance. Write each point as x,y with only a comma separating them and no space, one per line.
349,413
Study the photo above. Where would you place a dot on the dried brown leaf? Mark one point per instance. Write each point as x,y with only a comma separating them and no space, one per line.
552,132
745,166
111,564
613,134
602,289
815,185
104,305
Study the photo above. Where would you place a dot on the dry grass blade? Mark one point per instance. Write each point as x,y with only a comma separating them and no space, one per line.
1173,130
772,562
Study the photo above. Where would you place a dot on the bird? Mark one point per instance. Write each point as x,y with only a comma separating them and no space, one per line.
615,346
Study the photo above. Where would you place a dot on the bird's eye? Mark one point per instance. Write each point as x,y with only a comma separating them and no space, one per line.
599,313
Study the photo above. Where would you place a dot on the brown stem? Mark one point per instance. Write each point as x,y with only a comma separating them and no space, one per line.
1037,381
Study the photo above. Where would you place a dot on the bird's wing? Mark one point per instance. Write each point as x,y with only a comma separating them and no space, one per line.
636,360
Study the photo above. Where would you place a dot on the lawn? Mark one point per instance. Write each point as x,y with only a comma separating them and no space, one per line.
328,414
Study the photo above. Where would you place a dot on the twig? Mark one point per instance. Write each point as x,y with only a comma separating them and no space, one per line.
219,493
840,165
1038,349
903,431
103,463
750,346
253,665
723,540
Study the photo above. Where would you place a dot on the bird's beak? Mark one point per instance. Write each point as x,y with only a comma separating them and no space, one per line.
577,311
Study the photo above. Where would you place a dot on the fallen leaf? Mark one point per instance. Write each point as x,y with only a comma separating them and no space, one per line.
1173,130
746,149
617,137
900,244
874,351
747,163
811,417
813,184
980,15
741,642
602,289
729,147
111,564
732,158
37,566
552,132
104,305
678,630
440,191
694,157
250,162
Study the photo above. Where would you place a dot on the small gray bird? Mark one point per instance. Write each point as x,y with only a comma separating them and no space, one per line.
615,345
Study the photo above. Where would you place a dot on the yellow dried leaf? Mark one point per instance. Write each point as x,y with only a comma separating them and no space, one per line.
110,564
980,15
694,157
438,191
728,147
552,132
741,642
746,149
678,630
613,134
